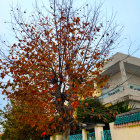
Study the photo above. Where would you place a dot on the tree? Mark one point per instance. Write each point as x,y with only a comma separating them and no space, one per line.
55,62
93,111
15,129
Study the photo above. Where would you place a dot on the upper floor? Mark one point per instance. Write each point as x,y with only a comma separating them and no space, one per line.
124,80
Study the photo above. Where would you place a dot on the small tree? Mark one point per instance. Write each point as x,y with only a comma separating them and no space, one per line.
15,129
93,111
52,61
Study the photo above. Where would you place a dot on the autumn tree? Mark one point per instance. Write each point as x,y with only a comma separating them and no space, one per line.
15,129
55,62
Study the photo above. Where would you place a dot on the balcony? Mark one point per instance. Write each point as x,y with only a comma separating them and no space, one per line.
107,92
134,87
111,92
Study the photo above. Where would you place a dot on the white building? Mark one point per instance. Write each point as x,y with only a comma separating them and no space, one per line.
124,80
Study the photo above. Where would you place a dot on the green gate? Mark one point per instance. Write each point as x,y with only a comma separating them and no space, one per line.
106,135
91,136
76,137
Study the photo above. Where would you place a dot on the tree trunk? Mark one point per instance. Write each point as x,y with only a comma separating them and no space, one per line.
66,134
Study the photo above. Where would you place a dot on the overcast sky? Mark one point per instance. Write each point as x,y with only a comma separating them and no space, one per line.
127,15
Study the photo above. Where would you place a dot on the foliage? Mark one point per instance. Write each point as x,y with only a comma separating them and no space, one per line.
93,111
55,62
15,129
122,107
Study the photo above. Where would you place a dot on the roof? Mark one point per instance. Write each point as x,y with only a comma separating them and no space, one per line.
132,64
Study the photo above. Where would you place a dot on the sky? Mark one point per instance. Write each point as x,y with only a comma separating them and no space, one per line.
127,15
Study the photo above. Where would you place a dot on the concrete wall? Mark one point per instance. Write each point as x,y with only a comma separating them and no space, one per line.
134,104
114,80
135,79
125,133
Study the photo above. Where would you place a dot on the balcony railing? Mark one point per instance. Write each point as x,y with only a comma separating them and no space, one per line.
134,87
107,93
111,92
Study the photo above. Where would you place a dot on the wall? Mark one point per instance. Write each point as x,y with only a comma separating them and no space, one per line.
114,80
125,133
134,79
134,104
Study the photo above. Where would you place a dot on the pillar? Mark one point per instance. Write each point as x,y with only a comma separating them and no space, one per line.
58,137
98,129
84,134
123,75
52,138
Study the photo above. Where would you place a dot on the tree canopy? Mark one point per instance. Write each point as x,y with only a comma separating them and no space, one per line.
55,61
14,128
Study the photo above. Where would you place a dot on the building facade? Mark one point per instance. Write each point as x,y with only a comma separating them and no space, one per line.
124,80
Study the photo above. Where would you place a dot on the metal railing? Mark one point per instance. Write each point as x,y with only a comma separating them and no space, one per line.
106,135
76,137
91,136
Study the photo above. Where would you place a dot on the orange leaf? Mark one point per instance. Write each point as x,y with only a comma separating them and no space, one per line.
83,117
65,114
43,134
70,112
91,117
60,119
92,109
58,99
2,75
99,116
74,128
63,127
